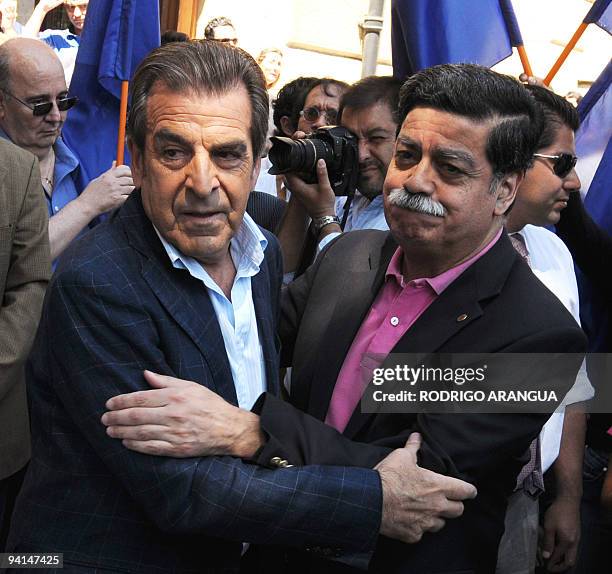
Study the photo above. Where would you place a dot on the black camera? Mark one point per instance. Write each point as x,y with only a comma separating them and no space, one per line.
335,144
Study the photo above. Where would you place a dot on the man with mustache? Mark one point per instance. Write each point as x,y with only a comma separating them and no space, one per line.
445,279
179,279
366,109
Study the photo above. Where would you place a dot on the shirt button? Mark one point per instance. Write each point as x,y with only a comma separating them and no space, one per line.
394,321
56,208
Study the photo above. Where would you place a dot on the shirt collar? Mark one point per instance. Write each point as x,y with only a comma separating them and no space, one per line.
440,282
63,154
65,160
246,248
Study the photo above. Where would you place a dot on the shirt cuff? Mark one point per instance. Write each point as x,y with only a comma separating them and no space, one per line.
326,240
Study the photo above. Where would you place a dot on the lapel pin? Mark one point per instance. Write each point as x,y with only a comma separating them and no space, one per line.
462,317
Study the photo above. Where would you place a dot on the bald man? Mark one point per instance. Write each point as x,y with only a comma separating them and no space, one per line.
34,103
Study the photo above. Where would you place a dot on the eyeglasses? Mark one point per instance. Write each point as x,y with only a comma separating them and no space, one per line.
563,163
43,108
313,113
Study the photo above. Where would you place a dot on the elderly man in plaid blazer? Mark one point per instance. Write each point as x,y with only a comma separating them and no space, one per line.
180,281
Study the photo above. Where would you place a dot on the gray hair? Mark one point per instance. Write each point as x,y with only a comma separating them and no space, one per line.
208,68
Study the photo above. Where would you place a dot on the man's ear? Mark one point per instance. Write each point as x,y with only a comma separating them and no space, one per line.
255,174
506,192
286,126
137,162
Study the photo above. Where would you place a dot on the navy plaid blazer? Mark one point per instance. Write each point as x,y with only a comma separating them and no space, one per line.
115,307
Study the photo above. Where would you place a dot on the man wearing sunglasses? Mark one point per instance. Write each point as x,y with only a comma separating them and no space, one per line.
34,103
542,196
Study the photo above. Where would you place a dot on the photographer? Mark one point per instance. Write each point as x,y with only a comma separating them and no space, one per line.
366,110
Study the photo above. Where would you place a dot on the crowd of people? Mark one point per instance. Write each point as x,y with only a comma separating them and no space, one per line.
185,343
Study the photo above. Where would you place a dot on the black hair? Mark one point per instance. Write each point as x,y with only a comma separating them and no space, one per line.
173,36
289,101
478,93
371,90
556,111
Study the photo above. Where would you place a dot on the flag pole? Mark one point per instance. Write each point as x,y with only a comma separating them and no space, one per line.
566,51
122,121
524,60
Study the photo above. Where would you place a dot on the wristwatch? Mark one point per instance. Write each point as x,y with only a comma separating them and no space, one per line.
319,223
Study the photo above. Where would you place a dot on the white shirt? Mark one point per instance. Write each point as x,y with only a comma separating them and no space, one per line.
236,318
265,181
66,45
553,265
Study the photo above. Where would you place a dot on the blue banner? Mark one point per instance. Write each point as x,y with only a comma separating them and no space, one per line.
594,149
117,35
429,32
600,14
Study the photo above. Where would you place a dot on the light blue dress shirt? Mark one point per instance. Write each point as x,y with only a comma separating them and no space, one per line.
236,317
64,172
363,214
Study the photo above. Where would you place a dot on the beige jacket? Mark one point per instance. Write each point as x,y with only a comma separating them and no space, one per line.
25,269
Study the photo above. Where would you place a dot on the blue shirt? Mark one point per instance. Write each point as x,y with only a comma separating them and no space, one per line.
236,318
363,214
64,174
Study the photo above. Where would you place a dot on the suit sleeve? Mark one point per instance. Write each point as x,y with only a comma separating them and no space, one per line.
107,339
291,434
466,446
26,280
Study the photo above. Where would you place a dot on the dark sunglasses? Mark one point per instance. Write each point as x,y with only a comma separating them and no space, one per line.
313,114
562,164
42,109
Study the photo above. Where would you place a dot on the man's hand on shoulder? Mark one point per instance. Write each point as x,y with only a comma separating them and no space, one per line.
417,500
108,191
181,419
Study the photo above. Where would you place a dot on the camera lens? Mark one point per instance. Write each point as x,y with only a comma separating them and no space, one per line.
300,156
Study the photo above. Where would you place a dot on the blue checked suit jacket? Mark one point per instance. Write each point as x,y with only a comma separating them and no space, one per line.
115,307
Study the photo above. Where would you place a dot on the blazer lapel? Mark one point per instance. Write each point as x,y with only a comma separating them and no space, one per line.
184,297
265,325
451,312
354,297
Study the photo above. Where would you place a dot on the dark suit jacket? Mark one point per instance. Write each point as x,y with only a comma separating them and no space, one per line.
266,210
116,306
24,272
508,310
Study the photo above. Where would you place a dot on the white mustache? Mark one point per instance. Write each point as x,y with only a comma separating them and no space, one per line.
419,202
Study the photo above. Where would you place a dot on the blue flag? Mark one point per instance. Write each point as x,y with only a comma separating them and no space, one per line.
429,32
115,38
600,14
594,148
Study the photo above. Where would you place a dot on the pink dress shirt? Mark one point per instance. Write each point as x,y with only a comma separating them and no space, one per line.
397,306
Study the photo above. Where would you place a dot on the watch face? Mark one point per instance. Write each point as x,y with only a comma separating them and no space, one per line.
320,222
